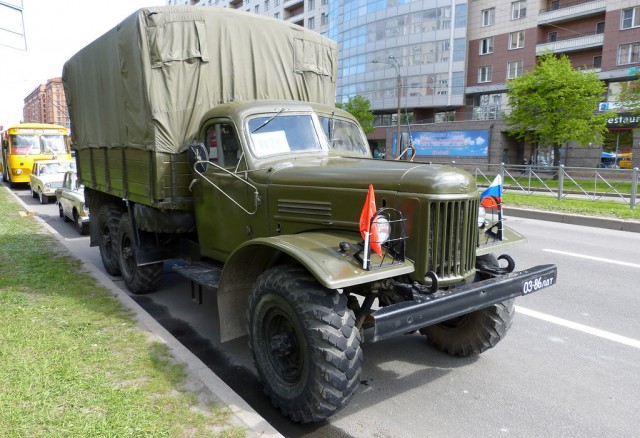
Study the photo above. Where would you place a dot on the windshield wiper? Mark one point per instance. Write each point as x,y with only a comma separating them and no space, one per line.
266,122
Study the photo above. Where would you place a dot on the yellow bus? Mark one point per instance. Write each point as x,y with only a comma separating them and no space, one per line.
25,143
624,160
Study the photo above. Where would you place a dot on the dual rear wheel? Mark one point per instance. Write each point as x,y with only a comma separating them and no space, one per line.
117,250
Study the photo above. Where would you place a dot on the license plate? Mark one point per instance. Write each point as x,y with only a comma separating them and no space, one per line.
537,283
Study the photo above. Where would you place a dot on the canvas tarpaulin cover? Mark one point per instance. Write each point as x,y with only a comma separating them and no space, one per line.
147,82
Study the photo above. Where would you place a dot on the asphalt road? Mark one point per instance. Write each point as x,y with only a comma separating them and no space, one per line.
568,368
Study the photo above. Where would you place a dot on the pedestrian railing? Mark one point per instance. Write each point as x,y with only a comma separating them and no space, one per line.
595,184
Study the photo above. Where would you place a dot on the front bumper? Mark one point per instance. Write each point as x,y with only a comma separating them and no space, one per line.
408,316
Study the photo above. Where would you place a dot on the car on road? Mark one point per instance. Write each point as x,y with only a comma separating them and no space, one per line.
70,200
46,176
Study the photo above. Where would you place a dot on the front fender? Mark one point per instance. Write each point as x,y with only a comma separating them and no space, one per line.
319,252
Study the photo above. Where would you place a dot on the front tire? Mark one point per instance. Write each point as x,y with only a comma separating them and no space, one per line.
139,279
473,333
44,199
108,220
82,227
304,344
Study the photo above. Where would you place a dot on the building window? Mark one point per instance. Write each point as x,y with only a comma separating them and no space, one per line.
276,2
276,15
324,19
628,53
553,37
311,5
600,27
630,18
488,17
325,2
597,62
486,46
484,73
256,9
514,69
311,23
516,40
518,10
266,5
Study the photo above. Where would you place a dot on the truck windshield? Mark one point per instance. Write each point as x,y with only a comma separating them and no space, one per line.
283,134
344,136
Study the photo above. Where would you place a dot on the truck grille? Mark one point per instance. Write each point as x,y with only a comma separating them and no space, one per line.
453,237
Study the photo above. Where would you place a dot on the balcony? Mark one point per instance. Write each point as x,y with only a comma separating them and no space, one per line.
289,4
571,44
571,12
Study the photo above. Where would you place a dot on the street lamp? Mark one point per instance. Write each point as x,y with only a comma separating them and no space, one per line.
392,61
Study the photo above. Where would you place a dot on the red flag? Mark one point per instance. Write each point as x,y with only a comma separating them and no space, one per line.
368,211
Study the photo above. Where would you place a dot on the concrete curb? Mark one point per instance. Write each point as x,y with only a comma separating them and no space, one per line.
243,414
574,219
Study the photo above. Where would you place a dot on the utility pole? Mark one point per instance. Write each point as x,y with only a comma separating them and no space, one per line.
392,61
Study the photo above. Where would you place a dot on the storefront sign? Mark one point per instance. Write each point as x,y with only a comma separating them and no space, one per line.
623,120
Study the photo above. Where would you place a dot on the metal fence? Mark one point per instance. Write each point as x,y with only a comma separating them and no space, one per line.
595,184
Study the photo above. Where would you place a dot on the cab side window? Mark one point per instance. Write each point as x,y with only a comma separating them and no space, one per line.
222,142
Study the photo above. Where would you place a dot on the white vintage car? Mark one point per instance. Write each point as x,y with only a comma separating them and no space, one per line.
70,200
46,176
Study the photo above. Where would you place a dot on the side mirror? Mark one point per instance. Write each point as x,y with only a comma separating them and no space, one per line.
198,154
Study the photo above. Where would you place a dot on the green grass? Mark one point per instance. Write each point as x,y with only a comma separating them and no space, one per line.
604,208
72,360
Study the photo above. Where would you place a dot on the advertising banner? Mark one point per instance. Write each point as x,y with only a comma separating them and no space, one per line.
450,143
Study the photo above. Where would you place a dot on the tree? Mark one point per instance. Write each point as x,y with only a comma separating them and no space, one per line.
358,107
555,103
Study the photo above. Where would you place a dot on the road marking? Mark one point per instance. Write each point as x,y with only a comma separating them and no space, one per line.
580,327
598,259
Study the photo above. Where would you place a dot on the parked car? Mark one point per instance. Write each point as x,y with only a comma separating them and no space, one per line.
46,176
70,200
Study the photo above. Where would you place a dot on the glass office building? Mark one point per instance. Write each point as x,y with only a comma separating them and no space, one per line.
421,42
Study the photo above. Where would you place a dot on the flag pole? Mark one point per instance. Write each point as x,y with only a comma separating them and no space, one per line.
500,227
365,258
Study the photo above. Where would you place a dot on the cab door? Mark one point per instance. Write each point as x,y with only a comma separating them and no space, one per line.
224,197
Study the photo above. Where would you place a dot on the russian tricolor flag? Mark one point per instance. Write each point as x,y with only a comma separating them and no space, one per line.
492,196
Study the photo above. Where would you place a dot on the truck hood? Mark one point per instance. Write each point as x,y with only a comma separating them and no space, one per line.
384,175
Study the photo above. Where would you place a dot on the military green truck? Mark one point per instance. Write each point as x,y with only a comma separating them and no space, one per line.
210,136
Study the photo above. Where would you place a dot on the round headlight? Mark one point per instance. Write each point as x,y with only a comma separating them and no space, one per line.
482,216
18,171
383,227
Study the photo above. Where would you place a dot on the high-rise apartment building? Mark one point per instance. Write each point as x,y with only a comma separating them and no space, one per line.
505,39
46,104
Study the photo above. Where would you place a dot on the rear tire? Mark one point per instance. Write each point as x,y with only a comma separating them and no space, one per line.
304,344
139,279
61,213
108,220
